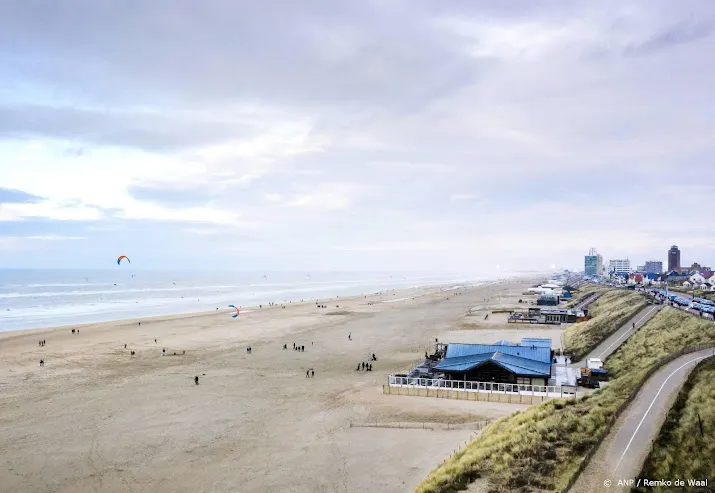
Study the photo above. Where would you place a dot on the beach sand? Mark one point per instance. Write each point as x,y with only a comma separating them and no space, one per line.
95,419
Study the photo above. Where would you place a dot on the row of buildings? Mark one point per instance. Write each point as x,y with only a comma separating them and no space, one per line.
703,280
594,265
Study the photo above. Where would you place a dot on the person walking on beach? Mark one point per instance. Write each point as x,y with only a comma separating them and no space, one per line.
312,373
196,379
154,341
307,373
350,336
140,324
42,362
125,346
163,352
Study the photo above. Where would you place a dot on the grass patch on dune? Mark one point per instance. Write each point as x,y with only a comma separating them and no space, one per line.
680,435
609,312
667,332
540,449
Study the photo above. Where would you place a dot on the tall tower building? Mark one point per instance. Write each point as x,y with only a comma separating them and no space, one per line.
593,263
674,258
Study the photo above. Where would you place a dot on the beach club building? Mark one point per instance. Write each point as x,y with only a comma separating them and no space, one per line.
528,363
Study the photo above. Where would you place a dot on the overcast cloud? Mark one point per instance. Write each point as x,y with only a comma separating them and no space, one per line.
399,134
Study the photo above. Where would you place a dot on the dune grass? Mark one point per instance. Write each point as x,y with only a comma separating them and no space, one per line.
540,449
680,436
613,309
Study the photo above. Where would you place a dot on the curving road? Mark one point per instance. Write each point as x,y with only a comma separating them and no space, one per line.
622,453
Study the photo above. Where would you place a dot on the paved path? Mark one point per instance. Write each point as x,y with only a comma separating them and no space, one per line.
609,346
587,302
623,452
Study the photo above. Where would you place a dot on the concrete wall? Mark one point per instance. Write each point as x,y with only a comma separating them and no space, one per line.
464,396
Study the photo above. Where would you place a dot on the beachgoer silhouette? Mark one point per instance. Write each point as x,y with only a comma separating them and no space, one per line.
196,379
285,346
140,324
312,373
294,345
42,362
307,373
358,368
73,331
350,336
363,365
163,352
125,346
302,348
131,354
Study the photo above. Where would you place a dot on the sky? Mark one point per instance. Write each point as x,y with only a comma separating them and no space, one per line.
449,135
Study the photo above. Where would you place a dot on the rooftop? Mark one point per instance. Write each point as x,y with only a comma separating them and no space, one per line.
530,348
511,363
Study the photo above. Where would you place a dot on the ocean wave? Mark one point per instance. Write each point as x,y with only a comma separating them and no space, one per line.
46,294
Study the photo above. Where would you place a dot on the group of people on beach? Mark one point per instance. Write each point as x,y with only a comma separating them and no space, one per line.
42,342
75,331
367,366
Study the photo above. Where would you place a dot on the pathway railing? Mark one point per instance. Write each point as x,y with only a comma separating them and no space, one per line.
484,387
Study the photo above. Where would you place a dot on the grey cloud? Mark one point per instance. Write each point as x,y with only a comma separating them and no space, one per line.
681,33
312,52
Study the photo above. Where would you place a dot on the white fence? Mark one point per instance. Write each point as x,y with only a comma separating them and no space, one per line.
483,387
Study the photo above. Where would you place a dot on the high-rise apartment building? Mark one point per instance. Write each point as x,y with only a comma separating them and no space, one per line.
653,267
593,263
674,258
620,266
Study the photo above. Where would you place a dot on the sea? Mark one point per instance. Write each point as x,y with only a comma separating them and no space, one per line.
49,298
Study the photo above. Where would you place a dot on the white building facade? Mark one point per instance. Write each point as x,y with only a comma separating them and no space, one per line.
620,266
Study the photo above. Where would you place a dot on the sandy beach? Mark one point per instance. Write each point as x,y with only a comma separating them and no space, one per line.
96,419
